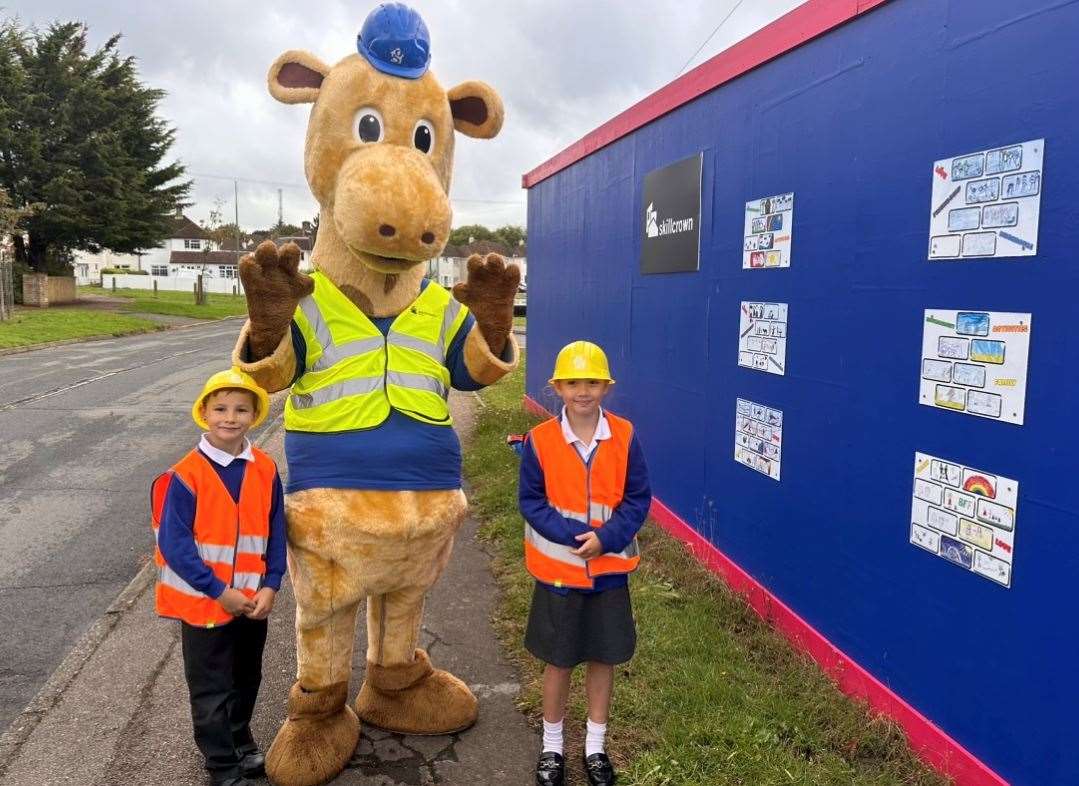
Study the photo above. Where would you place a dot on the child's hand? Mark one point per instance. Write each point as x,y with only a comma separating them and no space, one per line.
235,602
590,546
264,599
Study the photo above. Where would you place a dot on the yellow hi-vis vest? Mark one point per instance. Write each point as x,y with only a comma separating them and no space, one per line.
354,375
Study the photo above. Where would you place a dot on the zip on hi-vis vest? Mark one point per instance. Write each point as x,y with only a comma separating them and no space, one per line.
355,375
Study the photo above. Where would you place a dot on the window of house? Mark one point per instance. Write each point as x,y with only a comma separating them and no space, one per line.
195,244
228,271
159,270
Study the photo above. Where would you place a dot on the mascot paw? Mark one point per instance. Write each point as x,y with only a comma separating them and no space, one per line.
415,698
316,741
489,293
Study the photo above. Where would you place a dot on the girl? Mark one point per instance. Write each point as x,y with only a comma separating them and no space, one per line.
584,494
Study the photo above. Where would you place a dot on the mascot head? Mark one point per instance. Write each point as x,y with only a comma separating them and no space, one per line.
379,151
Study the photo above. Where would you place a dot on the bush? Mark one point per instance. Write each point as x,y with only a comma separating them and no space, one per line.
120,271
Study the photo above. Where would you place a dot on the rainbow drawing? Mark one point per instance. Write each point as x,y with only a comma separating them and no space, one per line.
981,485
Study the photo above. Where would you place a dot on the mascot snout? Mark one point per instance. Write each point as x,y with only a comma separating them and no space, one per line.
390,208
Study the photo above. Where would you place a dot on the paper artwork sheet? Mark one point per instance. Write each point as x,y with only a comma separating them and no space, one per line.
762,336
987,204
975,362
965,515
769,226
758,437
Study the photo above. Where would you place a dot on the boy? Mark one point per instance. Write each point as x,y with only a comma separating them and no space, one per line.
219,520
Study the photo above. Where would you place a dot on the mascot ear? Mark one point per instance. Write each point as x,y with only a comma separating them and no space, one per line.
477,109
295,77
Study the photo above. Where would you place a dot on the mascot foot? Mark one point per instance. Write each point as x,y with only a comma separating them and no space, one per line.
317,739
415,698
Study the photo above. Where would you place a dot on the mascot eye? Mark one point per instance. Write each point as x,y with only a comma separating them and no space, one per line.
424,136
369,126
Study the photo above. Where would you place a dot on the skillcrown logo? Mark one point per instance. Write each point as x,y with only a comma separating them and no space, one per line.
653,227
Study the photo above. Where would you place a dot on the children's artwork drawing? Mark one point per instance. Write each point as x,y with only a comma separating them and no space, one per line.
758,437
975,362
769,227
762,337
987,204
964,515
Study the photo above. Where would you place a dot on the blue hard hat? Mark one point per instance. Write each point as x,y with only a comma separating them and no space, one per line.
395,40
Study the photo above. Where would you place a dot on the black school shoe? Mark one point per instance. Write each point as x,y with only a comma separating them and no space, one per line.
599,770
253,764
550,769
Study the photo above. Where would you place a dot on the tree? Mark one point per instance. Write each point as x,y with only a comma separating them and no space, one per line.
79,135
462,235
285,230
511,235
224,235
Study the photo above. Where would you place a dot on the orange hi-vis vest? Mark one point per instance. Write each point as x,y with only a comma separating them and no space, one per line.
231,538
586,492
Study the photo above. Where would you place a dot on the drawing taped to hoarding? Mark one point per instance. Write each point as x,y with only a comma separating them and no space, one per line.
768,231
987,204
975,362
762,336
758,437
965,516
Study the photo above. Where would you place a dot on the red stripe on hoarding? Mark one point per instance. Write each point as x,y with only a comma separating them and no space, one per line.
804,23
926,739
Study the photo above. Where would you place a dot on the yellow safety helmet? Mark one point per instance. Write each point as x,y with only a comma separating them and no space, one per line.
581,360
233,378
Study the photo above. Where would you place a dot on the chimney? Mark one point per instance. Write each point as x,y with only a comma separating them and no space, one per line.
179,211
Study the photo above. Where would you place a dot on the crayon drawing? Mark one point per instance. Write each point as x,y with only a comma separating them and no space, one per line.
976,533
987,204
975,362
769,228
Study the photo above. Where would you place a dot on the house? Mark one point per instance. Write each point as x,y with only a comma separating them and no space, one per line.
451,266
186,237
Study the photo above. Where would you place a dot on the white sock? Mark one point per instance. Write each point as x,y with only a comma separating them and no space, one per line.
593,738
552,737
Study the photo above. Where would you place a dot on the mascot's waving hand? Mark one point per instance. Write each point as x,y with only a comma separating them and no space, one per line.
370,350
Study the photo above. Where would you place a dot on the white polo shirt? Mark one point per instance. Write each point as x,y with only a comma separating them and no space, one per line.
219,456
603,431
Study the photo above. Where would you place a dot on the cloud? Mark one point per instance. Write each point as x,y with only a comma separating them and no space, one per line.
563,68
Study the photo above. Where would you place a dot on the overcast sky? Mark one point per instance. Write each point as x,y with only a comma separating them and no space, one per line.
563,67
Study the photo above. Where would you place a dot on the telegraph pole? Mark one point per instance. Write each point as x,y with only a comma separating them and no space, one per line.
236,206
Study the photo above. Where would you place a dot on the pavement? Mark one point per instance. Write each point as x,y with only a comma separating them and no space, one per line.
116,711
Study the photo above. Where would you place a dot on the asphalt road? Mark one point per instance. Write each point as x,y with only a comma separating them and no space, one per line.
84,428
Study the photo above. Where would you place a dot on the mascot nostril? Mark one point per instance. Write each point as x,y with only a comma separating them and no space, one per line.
369,349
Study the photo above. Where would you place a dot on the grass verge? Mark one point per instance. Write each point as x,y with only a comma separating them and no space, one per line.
31,326
178,304
713,696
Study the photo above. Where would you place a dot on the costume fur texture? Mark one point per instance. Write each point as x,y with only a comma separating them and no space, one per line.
385,210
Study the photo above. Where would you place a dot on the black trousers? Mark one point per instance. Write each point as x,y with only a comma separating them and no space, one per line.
223,666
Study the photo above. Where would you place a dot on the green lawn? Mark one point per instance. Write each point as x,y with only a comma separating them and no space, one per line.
180,304
520,321
37,326
714,696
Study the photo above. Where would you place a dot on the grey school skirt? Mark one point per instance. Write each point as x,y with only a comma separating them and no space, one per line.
565,630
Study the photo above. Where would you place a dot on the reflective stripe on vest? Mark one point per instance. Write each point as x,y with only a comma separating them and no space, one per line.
574,487
230,538
355,375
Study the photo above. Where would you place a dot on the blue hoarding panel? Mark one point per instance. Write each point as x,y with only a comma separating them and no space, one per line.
852,123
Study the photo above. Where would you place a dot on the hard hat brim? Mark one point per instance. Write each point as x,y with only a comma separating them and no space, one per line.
566,377
261,397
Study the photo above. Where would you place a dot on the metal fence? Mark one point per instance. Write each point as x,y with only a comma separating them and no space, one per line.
7,288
